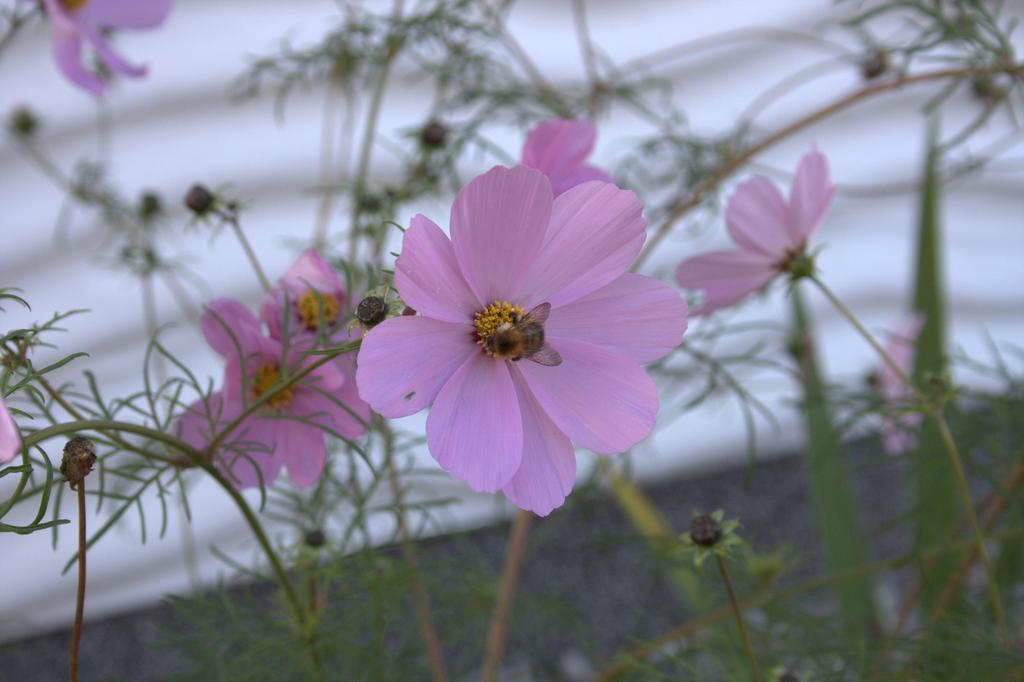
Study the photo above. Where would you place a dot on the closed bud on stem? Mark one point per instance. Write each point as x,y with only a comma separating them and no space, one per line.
78,460
371,311
705,531
200,200
874,64
22,122
433,135
150,206
314,538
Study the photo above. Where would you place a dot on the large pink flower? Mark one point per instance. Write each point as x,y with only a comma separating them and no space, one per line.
768,230
10,442
289,429
72,21
899,432
559,148
531,333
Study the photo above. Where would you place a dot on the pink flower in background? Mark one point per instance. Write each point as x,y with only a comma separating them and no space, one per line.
316,307
768,230
558,148
289,429
10,442
72,21
899,432
530,336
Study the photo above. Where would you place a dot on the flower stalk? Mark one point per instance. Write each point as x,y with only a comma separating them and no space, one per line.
498,629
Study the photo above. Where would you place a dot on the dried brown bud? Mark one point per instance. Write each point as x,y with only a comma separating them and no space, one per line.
199,199
433,135
705,531
315,538
371,311
874,64
78,460
23,122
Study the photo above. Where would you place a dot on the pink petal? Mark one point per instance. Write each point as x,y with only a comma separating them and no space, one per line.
809,196
311,271
302,450
498,222
475,430
340,410
405,361
899,434
254,457
558,148
902,348
548,468
200,420
725,277
10,441
599,399
757,220
428,277
230,327
596,233
635,316
107,55
126,13
67,50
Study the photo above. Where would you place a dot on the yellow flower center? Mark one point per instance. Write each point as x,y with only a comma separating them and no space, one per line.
265,377
498,316
74,4
314,307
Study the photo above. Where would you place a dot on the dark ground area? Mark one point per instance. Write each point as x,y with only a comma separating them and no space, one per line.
614,587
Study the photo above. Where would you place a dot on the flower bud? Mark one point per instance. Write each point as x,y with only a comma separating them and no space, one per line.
199,199
314,538
705,531
371,311
433,135
22,122
150,206
874,64
78,460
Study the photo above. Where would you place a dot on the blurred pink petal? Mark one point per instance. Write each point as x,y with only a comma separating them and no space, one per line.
70,25
475,430
769,233
229,327
650,318
600,400
548,469
558,148
596,233
429,277
498,223
405,361
10,441
809,197
303,450
725,277
899,431
756,217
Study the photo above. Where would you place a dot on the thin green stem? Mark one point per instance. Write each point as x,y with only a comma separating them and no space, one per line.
738,613
232,220
956,462
327,130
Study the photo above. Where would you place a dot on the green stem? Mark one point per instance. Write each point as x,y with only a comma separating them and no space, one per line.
749,650
956,462
498,628
232,220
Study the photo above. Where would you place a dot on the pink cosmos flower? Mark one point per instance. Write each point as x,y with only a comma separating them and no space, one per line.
289,429
768,230
315,302
898,432
10,442
71,21
530,336
558,149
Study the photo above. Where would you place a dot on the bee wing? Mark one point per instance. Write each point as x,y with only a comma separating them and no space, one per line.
540,313
547,355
